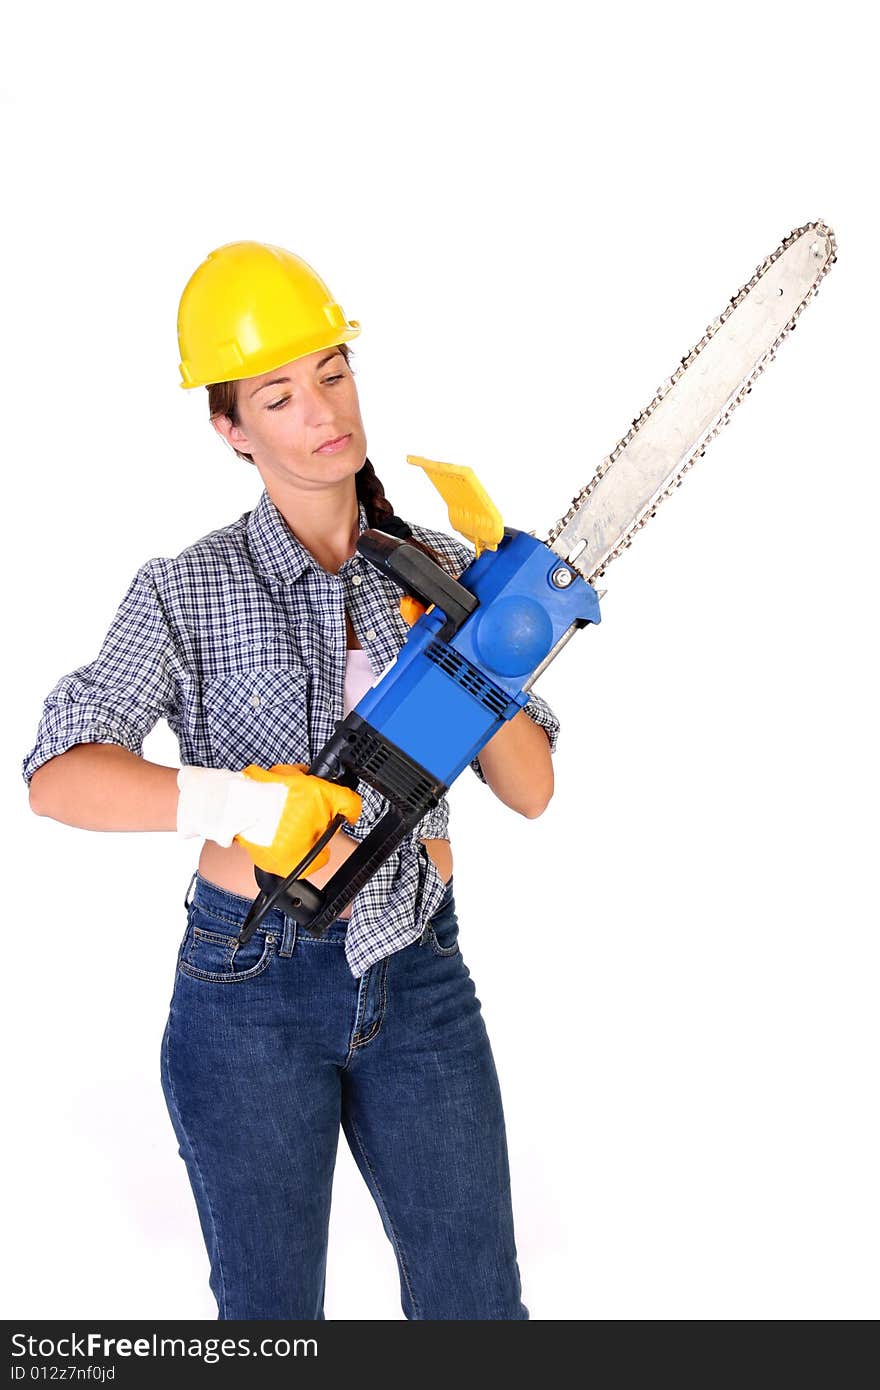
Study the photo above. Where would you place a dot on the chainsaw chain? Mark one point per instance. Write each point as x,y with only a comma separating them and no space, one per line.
626,539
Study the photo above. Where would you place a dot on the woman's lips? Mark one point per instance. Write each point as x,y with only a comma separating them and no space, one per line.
335,447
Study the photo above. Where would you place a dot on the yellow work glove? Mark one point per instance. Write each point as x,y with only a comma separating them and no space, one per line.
311,804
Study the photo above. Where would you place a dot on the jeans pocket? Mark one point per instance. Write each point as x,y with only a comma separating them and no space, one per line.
443,932
218,957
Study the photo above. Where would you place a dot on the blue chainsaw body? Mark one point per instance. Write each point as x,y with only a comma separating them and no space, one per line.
455,681
442,700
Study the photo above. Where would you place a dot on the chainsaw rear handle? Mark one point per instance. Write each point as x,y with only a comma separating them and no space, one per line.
358,751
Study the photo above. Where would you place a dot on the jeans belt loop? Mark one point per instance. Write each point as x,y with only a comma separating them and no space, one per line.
187,899
288,940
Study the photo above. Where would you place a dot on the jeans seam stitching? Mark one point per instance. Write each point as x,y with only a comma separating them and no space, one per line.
397,1245
359,1013
381,1014
221,916
442,950
192,1150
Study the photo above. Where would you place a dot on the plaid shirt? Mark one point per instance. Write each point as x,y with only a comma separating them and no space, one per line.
239,643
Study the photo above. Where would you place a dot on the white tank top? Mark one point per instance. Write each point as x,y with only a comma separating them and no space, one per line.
358,677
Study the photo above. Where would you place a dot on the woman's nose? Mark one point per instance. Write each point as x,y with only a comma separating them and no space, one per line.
316,407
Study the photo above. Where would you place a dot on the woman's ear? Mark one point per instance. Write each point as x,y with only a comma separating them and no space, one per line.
233,435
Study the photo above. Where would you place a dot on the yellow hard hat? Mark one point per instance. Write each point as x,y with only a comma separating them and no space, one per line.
249,308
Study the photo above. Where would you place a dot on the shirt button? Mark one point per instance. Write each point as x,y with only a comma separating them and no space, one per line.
370,636
355,579
255,701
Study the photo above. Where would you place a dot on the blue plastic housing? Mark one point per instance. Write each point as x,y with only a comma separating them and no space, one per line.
441,702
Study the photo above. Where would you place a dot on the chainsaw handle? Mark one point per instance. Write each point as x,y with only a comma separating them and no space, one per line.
354,749
315,908
419,577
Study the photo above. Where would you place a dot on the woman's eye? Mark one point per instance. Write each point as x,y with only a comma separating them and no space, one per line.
340,376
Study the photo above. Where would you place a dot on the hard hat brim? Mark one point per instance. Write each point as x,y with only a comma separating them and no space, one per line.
260,363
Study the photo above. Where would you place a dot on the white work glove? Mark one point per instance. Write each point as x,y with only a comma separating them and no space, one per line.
218,805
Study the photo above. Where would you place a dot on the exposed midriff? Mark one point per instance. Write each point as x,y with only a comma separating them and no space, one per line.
233,868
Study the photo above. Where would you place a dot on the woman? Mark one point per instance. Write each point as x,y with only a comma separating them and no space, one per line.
252,643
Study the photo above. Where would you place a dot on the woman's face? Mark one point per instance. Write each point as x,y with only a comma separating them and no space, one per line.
286,415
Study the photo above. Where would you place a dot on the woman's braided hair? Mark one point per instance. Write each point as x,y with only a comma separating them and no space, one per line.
368,486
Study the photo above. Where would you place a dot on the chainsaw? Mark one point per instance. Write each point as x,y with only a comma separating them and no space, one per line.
480,641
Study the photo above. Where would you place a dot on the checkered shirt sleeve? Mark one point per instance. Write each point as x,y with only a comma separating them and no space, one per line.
121,695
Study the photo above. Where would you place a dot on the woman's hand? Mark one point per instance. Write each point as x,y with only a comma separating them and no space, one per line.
308,809
276,814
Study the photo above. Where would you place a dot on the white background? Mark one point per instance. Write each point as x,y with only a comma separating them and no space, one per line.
534,215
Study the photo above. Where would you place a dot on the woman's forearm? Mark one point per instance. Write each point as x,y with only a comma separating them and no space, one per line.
518,766
102,786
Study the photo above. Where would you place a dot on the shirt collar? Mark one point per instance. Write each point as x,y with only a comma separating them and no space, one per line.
276,551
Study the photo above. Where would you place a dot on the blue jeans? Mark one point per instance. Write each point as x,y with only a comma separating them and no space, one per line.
270,1046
